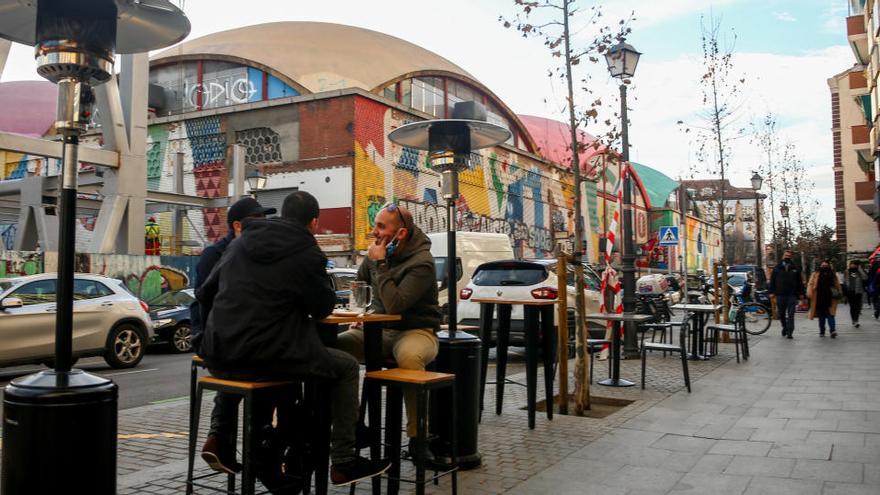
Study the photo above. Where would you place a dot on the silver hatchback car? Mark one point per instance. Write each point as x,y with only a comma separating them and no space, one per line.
108,320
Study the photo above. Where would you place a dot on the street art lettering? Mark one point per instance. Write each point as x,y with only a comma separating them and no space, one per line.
232,91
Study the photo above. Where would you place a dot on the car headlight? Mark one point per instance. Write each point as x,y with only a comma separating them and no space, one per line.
162,322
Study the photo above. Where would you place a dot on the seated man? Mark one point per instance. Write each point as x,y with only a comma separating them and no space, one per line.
401,271
260,306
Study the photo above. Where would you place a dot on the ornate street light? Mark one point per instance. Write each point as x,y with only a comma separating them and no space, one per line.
255,180
622,60
783,209
757,182
73,412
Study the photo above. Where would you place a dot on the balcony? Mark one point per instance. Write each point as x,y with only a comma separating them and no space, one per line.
861,141
865,192
858,83
858,38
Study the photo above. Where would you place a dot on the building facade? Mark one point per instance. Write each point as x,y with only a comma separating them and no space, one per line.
854,108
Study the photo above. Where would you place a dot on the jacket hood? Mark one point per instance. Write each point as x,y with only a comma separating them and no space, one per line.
417,243
266,240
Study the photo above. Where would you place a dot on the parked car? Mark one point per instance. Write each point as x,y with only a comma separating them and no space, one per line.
171,321
760,277
525,280
108,320
341,279
471,250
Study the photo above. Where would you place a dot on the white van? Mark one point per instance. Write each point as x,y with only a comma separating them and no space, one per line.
472,249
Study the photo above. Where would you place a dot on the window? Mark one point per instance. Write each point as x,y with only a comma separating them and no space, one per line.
510,275
427,95
40,292
89,289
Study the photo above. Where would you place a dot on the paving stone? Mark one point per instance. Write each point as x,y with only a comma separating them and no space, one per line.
741,447
802,451
683,443
712,463
716,484
779,436
834,488
872,474
848,453
848,472
836,438
645,478
761,485
759,466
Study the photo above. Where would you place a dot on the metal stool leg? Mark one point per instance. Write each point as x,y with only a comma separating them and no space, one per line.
195,410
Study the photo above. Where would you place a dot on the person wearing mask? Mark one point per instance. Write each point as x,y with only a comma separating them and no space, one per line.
824,290
260,306
219,449
787,286
855,288
400,269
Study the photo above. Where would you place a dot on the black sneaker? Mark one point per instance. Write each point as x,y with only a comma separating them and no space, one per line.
356,470
857,324
219,456
789,336
833,335
415,455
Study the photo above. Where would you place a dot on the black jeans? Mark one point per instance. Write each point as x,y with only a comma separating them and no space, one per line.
785,306
855,307
343,374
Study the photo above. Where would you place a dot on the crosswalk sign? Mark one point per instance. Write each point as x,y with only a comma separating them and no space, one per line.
669,236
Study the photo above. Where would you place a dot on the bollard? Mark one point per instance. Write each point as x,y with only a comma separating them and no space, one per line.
460,355
59,434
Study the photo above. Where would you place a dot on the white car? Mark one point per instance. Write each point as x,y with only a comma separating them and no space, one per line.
525,280
108,320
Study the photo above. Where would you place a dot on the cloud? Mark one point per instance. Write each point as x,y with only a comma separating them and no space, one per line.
652,12
784,16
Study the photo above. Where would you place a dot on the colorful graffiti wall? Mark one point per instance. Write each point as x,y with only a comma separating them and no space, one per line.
145,276
502,192
703,240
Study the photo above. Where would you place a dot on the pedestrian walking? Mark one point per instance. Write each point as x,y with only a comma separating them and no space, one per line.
786,286
824,292
855,281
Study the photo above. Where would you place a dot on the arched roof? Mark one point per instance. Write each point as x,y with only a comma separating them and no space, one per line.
553,139
28,107
318,56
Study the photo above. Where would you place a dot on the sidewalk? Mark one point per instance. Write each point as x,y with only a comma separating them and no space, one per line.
802,416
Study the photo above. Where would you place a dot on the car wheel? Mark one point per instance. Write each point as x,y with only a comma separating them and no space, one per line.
180,339
125,346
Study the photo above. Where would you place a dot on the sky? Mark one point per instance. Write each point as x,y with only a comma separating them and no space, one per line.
785,49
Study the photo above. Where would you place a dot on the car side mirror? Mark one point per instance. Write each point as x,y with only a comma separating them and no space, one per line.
11,302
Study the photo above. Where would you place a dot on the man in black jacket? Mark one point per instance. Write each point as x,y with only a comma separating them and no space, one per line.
260,307
787,285
219,449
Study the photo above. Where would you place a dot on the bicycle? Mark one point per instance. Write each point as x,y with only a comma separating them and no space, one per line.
756,316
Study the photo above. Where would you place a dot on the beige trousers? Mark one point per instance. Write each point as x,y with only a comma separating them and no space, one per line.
412,349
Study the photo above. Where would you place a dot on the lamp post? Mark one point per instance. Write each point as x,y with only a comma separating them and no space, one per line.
757,182
256,181
449,143
783,209
63,421
622,60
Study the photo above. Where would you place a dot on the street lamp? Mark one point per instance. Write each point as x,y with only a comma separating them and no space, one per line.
757,182
255,180
622,60
63,421
783,209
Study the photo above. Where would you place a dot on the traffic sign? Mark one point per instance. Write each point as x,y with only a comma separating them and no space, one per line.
669,236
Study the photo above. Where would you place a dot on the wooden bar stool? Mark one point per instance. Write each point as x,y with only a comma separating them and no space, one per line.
423,382
252,392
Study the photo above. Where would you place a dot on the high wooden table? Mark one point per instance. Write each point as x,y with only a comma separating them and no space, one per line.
537,317
617,319
373,325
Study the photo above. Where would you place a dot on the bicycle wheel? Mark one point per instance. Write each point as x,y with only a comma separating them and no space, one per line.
757,318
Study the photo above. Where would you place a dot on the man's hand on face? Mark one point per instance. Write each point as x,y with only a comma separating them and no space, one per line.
376,251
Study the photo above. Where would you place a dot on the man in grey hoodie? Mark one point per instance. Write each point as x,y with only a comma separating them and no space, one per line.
400,269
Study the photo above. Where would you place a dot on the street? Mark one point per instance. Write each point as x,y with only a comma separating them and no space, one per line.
159,377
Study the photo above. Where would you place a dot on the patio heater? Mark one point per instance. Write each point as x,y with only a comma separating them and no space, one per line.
63,421
449,143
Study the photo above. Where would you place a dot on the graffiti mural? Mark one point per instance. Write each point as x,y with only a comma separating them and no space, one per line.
20,263
502,192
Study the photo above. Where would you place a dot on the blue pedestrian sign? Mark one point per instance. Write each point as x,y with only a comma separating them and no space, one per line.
669,236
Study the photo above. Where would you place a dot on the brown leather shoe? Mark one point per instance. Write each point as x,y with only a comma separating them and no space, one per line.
220,458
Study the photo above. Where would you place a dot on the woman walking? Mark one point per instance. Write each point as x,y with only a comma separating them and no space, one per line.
823,289
855,288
